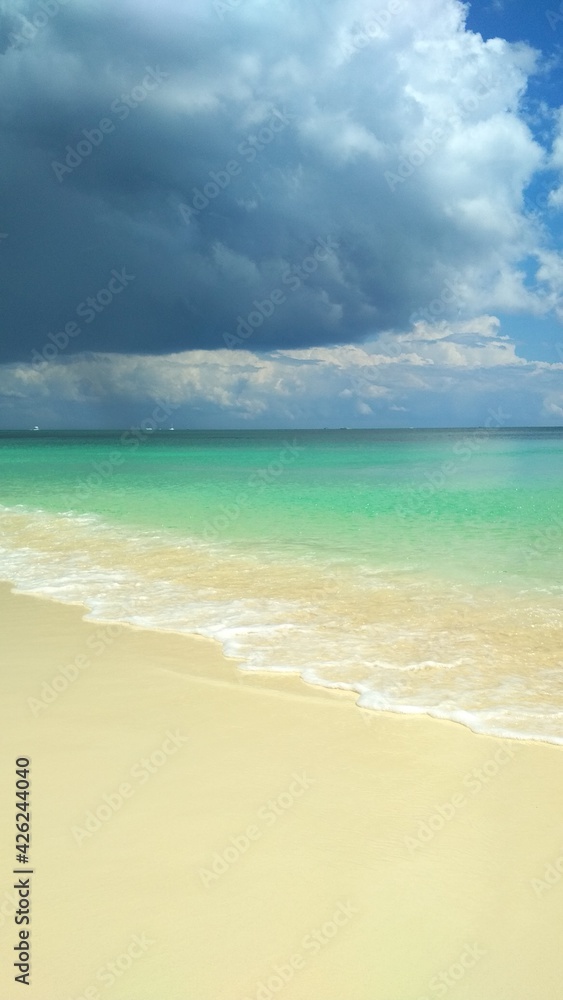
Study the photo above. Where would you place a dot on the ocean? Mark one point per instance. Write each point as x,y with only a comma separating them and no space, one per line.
421,569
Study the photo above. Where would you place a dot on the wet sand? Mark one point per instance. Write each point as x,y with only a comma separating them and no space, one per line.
204,834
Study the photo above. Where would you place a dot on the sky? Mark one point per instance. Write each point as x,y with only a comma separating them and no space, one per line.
281,213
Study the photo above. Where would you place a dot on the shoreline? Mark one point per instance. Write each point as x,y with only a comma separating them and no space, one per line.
340,688
285,838
406,639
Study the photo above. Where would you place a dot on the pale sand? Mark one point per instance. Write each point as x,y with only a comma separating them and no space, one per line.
341,843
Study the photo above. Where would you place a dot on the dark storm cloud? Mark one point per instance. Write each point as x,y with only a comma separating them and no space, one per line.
205,150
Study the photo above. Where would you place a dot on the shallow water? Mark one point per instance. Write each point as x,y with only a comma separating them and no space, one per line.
422,569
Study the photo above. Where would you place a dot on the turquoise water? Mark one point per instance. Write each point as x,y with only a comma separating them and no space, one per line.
422,569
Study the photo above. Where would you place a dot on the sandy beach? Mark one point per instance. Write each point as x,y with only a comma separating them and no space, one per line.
204,834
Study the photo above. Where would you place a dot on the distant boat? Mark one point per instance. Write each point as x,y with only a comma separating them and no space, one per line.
171,428
35,428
